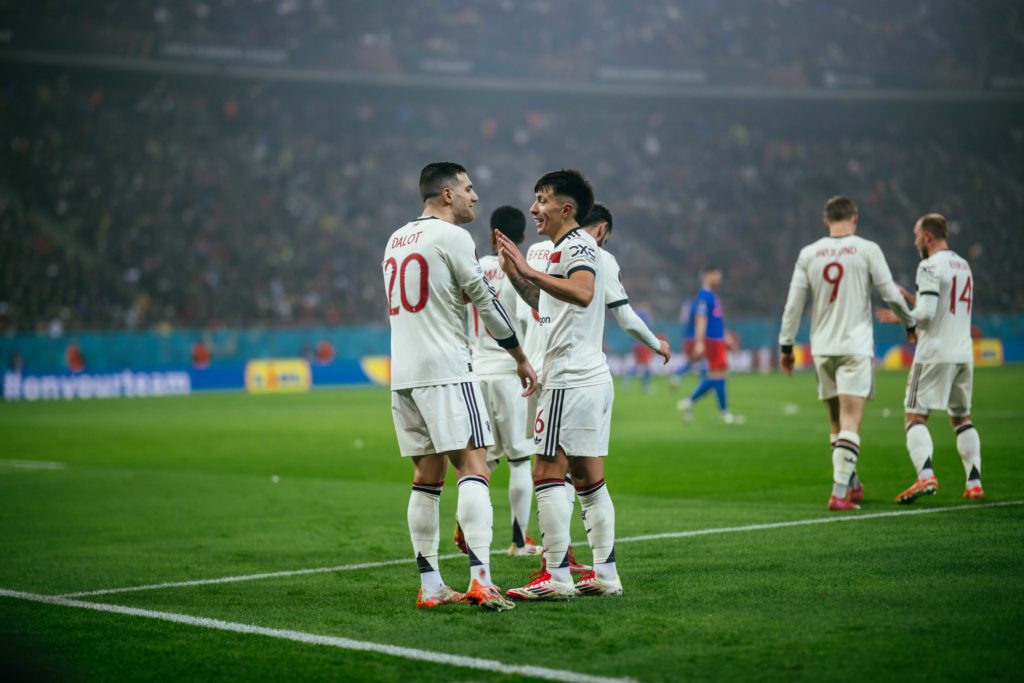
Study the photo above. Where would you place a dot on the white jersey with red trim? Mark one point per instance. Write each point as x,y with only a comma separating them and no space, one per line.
839,272
428,265
489,359
946,337
574,356
536,336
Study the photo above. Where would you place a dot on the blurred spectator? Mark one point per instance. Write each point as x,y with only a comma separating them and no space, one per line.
201,355
324,352
73,358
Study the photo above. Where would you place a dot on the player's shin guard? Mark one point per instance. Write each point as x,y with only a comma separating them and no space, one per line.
476,517
919,445
968,443
424,529
520,498
844,461
599,521
554,514
570,495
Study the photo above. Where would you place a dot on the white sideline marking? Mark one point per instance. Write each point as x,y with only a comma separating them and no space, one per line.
628,539
330,641
31,465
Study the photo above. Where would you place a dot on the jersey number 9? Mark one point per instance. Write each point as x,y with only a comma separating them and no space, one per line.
833,274
398,273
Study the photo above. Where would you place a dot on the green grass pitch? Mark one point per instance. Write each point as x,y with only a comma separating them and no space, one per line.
166,490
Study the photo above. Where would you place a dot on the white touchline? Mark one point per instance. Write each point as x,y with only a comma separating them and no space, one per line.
330,641
628,539
31,465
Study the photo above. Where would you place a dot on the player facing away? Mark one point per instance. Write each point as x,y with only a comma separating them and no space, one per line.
501,388
574,414
942,375
838,272
708,334
430,269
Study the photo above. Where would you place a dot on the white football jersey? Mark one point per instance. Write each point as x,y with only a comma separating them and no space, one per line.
489,359
574,357
839,273
946,338
536,336
428,264
614,290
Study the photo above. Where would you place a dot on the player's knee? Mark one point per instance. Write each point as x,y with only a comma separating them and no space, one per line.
912,419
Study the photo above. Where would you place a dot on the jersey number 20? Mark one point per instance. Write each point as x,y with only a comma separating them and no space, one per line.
398,273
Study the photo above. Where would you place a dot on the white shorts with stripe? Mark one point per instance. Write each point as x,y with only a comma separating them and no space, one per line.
578,420
939,386
438,419
503,397
846,375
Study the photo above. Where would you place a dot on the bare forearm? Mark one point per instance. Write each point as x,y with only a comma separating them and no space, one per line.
527,291
570,290
700,327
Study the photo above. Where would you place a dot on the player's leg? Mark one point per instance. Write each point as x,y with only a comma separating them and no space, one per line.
921,382
968,442
424,501
599,523
508,414
855,489
853,378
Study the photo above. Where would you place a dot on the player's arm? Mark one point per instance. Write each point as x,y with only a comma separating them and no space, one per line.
925,303
618,303
881,276
577,288
470,277
799,286
700,328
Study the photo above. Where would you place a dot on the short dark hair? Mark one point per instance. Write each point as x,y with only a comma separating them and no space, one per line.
509,221
569,183
936,225
839,208
599,214
711,268
435,176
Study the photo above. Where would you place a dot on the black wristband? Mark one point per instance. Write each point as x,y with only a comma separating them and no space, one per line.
786,348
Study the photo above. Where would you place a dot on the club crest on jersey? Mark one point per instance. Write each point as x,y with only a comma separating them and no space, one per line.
555,257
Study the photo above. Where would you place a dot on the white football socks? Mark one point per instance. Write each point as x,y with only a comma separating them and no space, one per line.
844,461
599,521
476,517
968,443
570,494
554,514
919,445
520,498
424,529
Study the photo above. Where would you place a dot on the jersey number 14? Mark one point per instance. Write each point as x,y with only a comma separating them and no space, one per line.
966,296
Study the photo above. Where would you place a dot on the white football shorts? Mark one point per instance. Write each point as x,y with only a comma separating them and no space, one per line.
442,418
507,408
579,420
846,375
939,386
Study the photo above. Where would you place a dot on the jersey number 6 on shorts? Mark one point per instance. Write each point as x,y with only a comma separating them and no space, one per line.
398,272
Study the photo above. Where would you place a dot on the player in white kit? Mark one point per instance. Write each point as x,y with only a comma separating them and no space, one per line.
942,375
838,272
501,389
430,271
574,415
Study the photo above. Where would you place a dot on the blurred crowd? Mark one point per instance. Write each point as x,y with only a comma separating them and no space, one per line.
142,204
958,42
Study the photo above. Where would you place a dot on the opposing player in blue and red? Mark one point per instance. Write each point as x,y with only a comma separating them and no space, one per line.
706,339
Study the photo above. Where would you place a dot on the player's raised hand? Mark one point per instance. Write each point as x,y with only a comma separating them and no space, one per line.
886,316
510,259
786,362
664,351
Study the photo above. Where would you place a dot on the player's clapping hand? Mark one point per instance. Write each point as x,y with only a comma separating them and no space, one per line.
886,316
786,362
664,351
510,259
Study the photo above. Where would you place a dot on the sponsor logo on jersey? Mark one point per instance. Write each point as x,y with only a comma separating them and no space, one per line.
576,250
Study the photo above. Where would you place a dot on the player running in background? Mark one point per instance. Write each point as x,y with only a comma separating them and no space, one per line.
838,272
574,418
942,374
709,343
430,269
688,363
501,389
